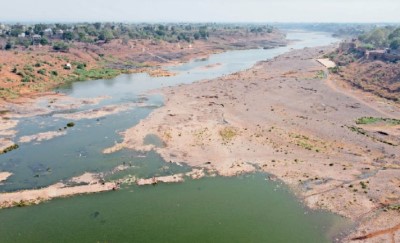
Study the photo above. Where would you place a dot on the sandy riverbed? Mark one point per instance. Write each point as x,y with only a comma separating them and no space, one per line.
282,117
4,176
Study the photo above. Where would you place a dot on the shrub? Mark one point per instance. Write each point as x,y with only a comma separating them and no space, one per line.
395,44
81,66
60,46
42,71
26,79
8,46
44,41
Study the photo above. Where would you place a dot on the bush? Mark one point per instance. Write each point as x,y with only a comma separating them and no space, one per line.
395,44
26,79
8,46
81,66
54,73
44,41
42,71
60,46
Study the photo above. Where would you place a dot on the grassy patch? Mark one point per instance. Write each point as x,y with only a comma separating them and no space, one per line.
103,73
92,74
8,93
306,142
362,131
372,120
320,75
334,69
227,134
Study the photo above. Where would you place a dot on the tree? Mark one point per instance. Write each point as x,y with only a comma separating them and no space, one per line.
203,33
378,37
39,28
395,34
68,35
106,35
44,41
97,25
61,26
395,44
60,46
8,46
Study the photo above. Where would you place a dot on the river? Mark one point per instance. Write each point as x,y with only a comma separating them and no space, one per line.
247,208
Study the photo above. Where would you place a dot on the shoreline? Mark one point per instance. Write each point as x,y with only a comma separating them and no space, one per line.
282,117
137,56
280,137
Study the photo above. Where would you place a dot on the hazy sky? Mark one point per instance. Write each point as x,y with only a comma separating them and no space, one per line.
202,10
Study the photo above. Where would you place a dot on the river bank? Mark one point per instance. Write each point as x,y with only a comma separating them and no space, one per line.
30,72
100,112
282,117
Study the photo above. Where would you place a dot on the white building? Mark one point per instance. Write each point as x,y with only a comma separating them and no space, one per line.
48,32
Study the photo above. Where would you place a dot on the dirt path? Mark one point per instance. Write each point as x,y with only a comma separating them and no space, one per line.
390,231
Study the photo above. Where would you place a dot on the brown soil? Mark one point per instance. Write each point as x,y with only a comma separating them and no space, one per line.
116,54
377,77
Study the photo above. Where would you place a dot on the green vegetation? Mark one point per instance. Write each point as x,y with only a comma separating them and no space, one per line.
364,132
8,46
383,37
61,46
320,75
306,142
42,71
70,124
363,185
55,34
372,120
9,149
23,203
334,69
395,207
227,134
104,73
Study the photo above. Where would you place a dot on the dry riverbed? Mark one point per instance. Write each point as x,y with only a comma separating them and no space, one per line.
286,118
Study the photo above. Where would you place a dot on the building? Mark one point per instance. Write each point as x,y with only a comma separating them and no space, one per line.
59,34
36,39
48,32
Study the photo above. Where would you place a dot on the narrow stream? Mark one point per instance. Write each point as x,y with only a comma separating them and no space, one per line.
240,209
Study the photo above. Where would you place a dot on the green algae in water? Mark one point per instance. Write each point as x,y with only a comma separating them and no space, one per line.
240,209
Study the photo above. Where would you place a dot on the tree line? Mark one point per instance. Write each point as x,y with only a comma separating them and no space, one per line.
59,34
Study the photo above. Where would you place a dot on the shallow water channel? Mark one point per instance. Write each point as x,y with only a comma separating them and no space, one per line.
247,208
